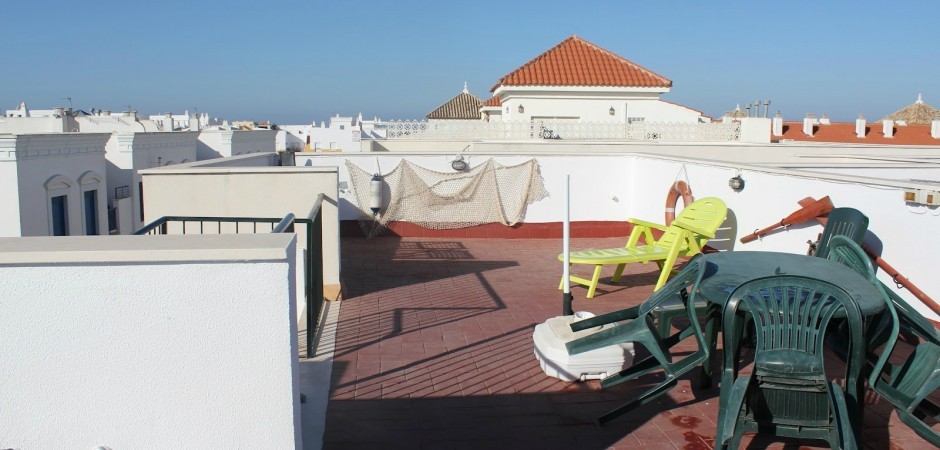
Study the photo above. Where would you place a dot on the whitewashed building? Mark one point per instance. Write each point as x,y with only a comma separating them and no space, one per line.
53,184
578,81
221,142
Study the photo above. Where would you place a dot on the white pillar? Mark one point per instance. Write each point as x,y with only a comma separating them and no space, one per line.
778,124
887,128
935,128
808,123
860,127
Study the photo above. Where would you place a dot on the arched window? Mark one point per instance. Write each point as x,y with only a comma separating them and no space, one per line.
92,194
58,189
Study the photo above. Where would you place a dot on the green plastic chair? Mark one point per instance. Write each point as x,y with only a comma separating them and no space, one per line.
787,392
907,385
848,222
683,238
639,327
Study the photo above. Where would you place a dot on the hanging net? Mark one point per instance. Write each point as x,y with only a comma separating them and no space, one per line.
488,193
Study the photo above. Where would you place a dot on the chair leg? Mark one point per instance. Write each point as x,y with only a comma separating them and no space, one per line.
643,399
594,280
618,273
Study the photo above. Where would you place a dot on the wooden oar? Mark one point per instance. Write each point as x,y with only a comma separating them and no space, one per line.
888,269
807,212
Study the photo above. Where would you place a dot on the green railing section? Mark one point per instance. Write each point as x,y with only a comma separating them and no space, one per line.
313,259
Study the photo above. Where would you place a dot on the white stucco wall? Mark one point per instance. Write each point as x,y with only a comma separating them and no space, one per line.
149,342
589,104
55,164
204,190
9,193
639,180
222,143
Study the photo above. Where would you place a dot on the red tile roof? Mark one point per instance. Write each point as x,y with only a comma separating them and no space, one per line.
493,101
465,106
576,62
845,133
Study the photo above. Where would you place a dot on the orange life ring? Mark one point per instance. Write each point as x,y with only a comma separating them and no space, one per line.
672,198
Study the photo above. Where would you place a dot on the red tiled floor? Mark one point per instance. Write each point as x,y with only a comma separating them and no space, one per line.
434,350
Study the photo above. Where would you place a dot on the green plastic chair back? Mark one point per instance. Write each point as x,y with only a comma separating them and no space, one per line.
843,250
639,327
848,222
908,384
788,391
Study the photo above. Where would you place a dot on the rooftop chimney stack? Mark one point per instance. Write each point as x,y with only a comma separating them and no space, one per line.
860,127
168,124
777,124
808,122
747,110
935,128
824,119
888,128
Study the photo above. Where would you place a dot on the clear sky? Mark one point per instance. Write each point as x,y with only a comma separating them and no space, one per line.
294,62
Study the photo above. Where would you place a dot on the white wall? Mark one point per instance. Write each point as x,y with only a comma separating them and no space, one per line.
222,143
590,104
9,193
640,182
149,342
204,190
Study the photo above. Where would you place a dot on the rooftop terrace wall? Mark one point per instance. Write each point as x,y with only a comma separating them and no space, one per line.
149,342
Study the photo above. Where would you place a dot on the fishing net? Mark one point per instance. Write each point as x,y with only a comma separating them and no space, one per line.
488,193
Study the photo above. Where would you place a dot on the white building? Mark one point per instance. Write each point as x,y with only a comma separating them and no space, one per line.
221,142
579,81
185,121
53,184
342,134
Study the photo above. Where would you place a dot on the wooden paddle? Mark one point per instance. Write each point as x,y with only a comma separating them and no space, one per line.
807,212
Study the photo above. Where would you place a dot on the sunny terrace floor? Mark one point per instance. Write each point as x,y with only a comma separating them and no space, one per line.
434,349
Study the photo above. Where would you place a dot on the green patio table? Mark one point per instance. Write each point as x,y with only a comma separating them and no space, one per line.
725,271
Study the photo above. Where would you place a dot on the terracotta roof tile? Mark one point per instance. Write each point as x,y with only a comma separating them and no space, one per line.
576,62
845,133
492,101
465,106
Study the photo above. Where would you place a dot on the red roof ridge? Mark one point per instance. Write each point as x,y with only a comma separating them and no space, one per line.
566,79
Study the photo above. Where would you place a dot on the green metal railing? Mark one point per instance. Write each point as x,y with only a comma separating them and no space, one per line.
313,259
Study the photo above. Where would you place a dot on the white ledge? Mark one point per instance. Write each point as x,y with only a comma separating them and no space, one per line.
144,249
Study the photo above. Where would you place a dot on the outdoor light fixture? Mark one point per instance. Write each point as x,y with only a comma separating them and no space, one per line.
611,111
459,164
736,183
521,109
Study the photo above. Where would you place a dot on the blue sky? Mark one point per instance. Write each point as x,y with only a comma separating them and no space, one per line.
300,61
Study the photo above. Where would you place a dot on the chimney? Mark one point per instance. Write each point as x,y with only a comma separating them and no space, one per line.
824,119
808,124
168,124
860,126
778,124
888,128
935,128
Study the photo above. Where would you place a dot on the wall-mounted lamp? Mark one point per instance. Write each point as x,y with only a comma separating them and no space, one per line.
521,109
458,164
611,111
736,183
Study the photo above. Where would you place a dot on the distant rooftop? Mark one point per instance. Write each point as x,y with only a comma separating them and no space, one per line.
845,133
917,113
577,62
464,106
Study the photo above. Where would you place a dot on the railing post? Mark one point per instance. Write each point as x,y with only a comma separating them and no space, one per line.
314,278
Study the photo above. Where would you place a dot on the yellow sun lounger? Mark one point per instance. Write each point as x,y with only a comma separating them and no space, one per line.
684,237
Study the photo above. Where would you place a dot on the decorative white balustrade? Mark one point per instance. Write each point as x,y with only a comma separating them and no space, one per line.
567,130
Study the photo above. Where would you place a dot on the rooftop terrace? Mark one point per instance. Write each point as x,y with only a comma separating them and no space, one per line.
434,349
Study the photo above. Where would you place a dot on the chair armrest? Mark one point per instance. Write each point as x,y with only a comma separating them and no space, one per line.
694,229
644,223
604,319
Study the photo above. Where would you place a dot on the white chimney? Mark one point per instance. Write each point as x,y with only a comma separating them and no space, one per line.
860,126
888,128
168,124
778,124
935,128
808,124
824,119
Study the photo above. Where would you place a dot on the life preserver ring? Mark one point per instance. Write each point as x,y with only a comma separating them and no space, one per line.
672,198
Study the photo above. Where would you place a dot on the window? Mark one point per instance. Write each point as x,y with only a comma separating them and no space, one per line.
90,184
91,212
342,127
60,215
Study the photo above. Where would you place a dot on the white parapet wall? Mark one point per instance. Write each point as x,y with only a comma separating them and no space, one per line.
149,342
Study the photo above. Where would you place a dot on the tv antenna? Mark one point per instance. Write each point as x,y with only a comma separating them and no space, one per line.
69,99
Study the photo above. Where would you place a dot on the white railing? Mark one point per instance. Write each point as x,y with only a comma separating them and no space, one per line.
567,130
